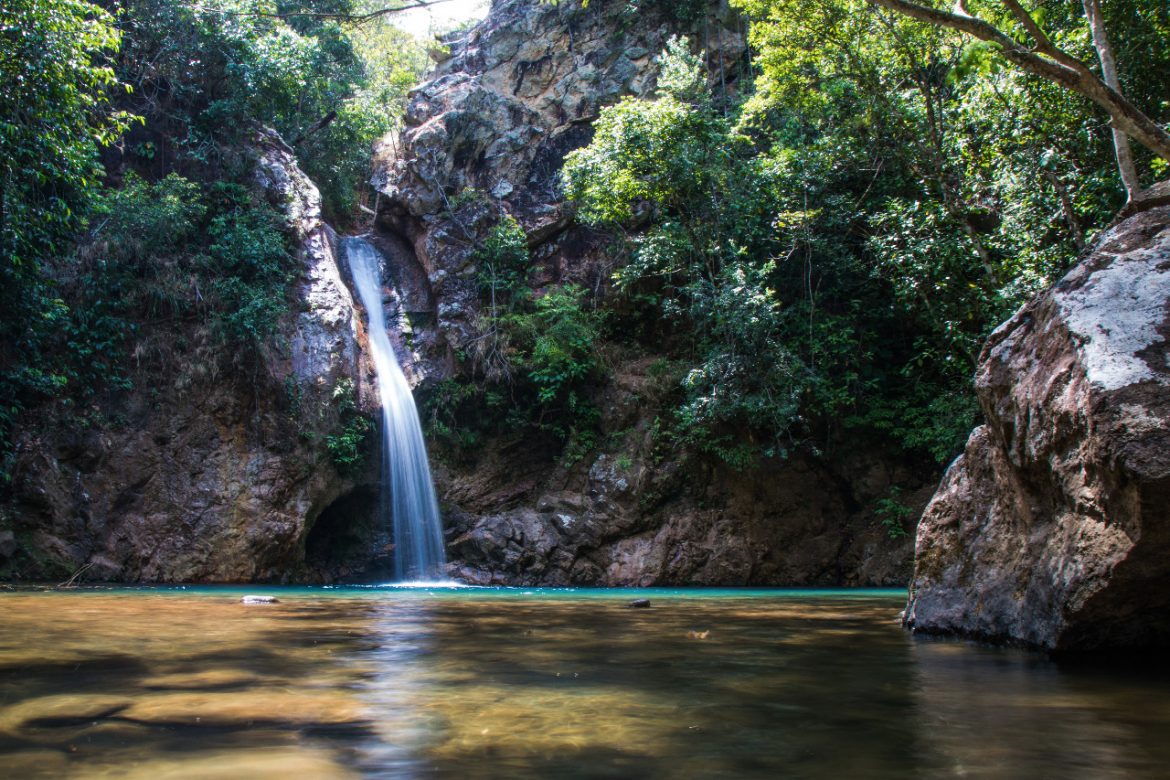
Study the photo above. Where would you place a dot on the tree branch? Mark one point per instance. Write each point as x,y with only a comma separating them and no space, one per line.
1125,163
1126,117
1044,44
317,126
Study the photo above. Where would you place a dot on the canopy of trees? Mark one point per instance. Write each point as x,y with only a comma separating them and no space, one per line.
841,235
820,249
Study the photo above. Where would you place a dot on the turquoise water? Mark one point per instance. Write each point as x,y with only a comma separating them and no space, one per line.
388,682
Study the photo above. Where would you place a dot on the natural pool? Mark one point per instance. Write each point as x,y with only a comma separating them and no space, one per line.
514,683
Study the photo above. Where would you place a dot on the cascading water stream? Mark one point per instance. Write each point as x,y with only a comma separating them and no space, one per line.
408,494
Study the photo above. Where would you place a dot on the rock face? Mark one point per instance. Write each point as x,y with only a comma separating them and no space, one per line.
488,133
779,525
1053,528
486,136
208,472
634,515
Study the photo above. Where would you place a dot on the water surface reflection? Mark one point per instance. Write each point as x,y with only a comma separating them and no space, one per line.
995,713
509,684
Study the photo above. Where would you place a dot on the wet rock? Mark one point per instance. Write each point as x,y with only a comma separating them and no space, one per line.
255,761
36,762
639,604
1053,527
228,709
203,679
60,710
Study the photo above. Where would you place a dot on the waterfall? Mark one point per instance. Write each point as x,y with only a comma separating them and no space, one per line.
408,495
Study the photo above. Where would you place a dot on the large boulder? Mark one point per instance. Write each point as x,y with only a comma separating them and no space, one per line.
1052,529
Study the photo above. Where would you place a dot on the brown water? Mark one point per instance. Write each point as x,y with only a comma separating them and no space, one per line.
389,683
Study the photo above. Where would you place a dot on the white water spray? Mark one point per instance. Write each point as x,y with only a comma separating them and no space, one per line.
408,495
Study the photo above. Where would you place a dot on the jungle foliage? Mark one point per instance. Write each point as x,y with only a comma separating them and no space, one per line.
841,240
535,357
203,75
56,114
126,194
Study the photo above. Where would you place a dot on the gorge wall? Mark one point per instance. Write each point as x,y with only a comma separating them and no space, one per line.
1052,529
211,469
485,137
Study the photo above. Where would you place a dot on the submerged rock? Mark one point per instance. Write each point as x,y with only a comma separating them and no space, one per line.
1052,529
60,710
229,709
639,604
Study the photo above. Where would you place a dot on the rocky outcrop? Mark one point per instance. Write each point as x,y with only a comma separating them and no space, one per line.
213,468
488,132
776,526
1053,528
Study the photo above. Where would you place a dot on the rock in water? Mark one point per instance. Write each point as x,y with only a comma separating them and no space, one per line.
259,600
639,604
1052,529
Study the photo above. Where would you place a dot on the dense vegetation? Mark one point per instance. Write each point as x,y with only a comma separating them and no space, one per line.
819,248
536,363
841,235
126,195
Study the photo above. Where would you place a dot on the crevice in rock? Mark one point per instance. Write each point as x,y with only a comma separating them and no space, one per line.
344,544
410,309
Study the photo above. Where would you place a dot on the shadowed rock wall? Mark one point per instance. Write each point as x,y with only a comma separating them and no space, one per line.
212,468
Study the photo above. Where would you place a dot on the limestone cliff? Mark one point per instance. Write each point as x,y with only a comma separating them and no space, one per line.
486,136
211,469
1053,527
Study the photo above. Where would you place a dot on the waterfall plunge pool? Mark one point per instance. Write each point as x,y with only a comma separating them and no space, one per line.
393,682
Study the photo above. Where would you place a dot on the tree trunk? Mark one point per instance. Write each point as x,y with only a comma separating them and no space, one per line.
1066,209
1125,164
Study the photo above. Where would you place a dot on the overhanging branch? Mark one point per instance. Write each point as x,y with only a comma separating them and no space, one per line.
1125,115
